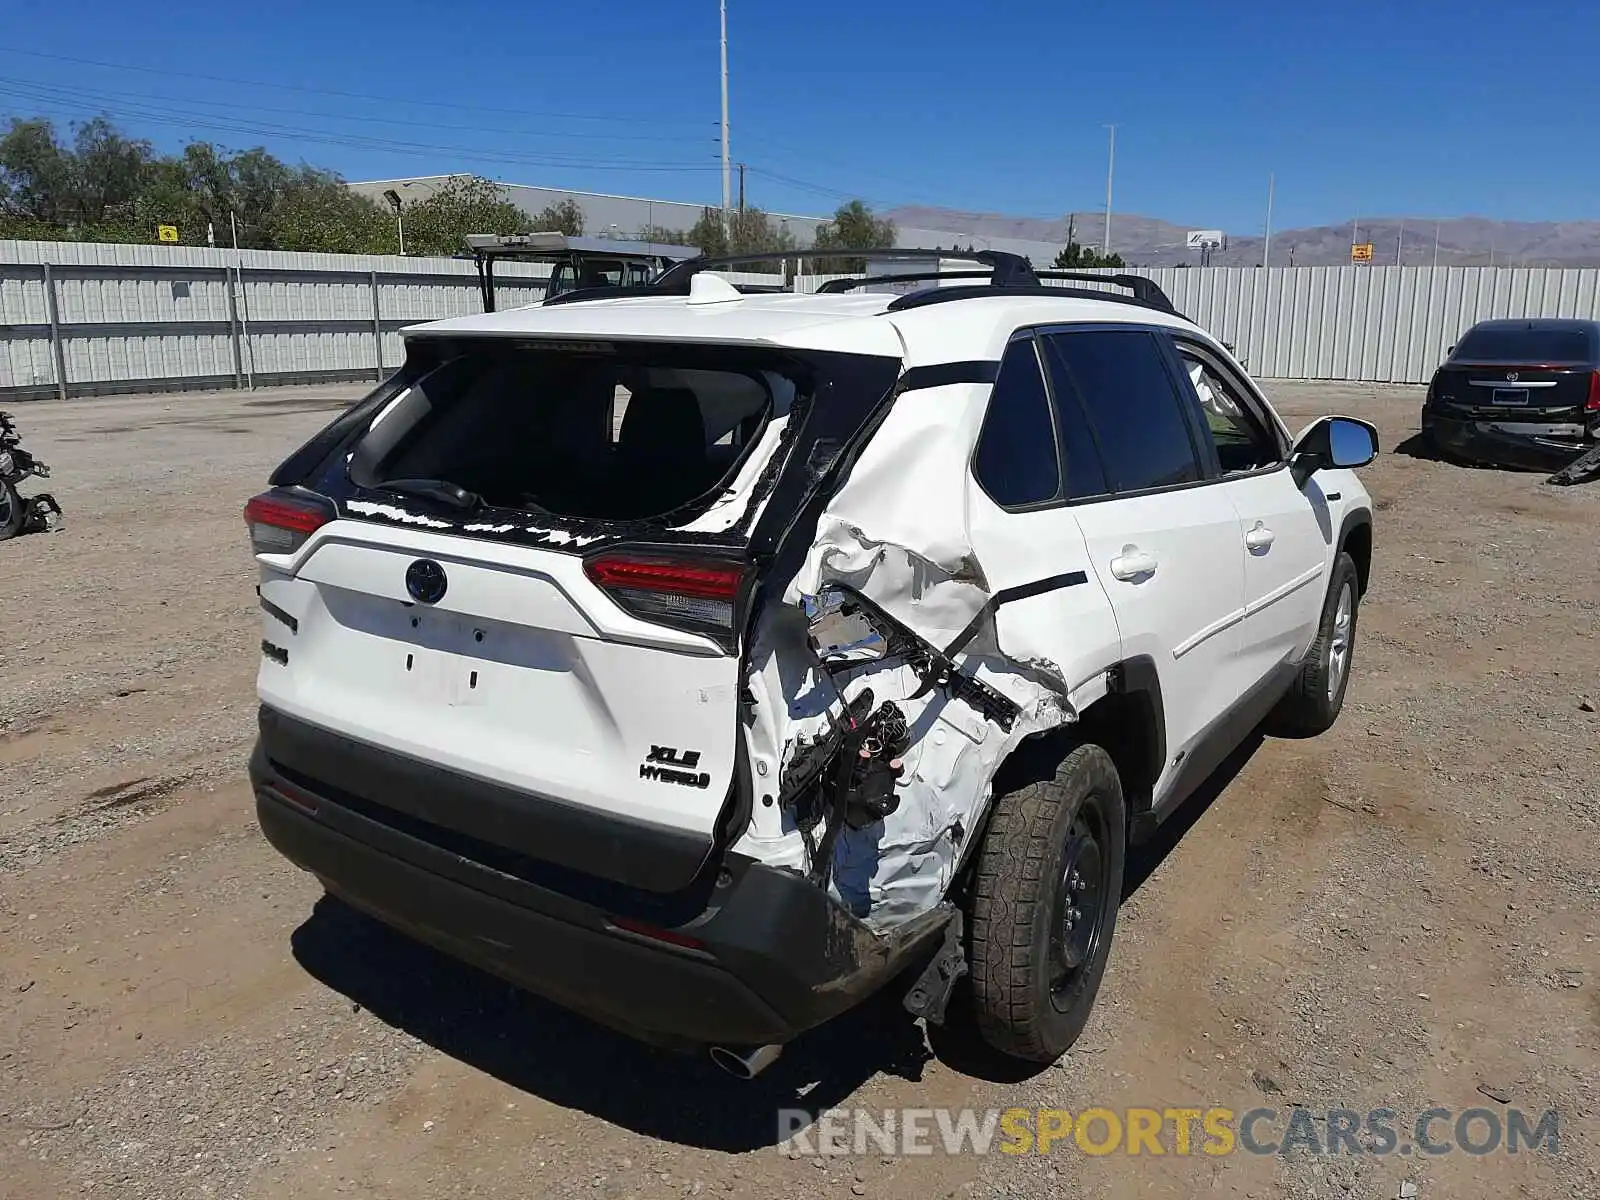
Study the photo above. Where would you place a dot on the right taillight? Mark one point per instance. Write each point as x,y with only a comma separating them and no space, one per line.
694,594
280,522
1593,403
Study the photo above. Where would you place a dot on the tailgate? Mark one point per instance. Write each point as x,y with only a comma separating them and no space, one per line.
524,675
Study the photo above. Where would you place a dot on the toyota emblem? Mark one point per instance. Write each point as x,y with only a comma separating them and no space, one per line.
425,580
1511,376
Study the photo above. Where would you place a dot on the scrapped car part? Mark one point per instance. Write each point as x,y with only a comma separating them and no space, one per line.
19,514
1583,469
44,515
687,655
930,995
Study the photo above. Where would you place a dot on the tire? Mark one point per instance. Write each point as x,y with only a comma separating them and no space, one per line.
12,512
1316,697
1027,1001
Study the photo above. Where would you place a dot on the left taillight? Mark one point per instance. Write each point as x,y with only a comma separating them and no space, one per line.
693,594
1593,403
280,522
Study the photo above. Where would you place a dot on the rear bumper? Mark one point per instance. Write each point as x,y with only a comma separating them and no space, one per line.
761,955
1505,443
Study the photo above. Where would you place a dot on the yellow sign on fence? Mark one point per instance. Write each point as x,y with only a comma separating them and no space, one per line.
1361,252
166,233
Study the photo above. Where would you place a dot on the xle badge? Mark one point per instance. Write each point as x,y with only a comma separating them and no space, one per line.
668,764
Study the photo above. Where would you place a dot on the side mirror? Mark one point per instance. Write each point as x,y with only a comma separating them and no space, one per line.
1341,442
1450,349
841,632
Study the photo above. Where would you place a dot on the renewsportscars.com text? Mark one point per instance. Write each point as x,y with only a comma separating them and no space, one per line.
1213,1132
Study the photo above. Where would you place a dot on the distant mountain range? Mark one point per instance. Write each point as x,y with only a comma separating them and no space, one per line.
1146,241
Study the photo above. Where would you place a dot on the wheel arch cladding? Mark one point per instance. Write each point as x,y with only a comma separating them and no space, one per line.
1129,723
1355,539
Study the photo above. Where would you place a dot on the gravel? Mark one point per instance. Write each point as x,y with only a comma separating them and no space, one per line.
1401,913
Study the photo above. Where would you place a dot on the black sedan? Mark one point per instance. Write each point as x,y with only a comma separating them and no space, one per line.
1517,393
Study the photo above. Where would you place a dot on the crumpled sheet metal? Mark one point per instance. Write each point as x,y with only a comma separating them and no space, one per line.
907,548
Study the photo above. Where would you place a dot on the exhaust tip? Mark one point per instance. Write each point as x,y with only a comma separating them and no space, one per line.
745,1064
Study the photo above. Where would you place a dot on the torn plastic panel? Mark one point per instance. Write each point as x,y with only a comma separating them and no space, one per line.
882,694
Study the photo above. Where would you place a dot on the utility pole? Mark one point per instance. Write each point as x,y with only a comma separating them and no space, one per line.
741,188
1111,166
1400,243
244,304
1436,243
1266,242
726,181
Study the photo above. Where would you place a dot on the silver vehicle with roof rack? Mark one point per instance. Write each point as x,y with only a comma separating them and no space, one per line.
577,262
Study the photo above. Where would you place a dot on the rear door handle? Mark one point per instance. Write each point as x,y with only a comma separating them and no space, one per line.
1133,563
1259,538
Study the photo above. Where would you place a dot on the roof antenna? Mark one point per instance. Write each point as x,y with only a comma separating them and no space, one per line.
706,288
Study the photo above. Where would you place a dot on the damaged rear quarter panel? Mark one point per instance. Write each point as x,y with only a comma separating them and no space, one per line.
905,530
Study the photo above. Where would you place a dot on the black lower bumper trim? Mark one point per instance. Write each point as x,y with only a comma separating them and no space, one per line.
1499,443
767,956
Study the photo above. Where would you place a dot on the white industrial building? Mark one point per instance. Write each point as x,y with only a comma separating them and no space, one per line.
627,216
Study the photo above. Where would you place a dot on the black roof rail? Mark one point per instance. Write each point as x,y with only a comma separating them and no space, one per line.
1146,291
1005,268
941,295
833,286
634,291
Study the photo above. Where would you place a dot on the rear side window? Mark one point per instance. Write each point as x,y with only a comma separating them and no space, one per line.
1133,406
624,436
1016,462
1526,344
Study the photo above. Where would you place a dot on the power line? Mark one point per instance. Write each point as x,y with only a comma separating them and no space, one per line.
191,120
117,96
292,87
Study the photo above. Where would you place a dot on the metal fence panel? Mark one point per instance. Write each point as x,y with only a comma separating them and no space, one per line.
130,317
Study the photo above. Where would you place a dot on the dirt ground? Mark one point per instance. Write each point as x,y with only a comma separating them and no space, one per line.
1394,915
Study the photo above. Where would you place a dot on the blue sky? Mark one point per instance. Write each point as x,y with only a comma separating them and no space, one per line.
1417,109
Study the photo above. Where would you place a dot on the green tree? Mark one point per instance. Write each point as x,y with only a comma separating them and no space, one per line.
562,217
319,213
1075,257
464,204
749,232
853,228
661,235
709,233
74,190
103,186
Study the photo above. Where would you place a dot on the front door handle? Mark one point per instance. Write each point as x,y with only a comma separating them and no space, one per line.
1133,563
1260,538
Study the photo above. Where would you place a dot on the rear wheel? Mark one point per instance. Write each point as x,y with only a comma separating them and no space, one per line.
1314,701
1043,906
12,511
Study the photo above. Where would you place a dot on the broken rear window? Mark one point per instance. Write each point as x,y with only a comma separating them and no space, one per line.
624,432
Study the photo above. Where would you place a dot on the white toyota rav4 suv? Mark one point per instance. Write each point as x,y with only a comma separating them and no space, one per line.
705,661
